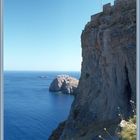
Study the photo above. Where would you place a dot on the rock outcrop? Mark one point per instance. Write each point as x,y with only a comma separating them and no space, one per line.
108,74
64,83
57,132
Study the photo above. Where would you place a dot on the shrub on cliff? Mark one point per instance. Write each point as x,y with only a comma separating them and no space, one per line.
128,131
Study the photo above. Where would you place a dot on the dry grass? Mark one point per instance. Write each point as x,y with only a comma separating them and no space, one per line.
128,131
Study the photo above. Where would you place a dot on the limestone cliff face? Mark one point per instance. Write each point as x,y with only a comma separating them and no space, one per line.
108,74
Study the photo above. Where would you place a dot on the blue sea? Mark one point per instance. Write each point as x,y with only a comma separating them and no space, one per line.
31,112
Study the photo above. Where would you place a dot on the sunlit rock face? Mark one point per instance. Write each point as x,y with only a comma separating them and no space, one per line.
108,74
64,83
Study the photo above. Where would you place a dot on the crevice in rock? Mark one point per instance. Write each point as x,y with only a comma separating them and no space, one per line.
75,113
87,75
128,90
115,74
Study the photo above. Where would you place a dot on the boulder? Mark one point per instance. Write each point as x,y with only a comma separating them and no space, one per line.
64,83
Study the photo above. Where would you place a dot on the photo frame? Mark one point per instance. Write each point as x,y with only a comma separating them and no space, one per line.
75,111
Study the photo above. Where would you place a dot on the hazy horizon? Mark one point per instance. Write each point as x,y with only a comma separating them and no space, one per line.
45,35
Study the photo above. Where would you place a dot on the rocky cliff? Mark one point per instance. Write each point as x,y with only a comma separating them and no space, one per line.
108,74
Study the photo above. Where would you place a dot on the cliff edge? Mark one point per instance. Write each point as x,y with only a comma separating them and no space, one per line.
108,74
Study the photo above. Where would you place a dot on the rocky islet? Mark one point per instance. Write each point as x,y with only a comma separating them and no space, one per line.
64,83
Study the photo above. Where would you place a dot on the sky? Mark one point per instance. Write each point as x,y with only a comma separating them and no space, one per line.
44,35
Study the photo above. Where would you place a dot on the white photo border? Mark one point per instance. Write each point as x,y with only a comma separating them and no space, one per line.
138,68
2,71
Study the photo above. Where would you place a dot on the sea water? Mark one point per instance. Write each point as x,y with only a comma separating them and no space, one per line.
31,112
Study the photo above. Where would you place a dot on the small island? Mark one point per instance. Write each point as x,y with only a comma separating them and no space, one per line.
64,83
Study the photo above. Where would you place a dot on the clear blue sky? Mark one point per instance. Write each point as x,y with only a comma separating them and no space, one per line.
45,34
